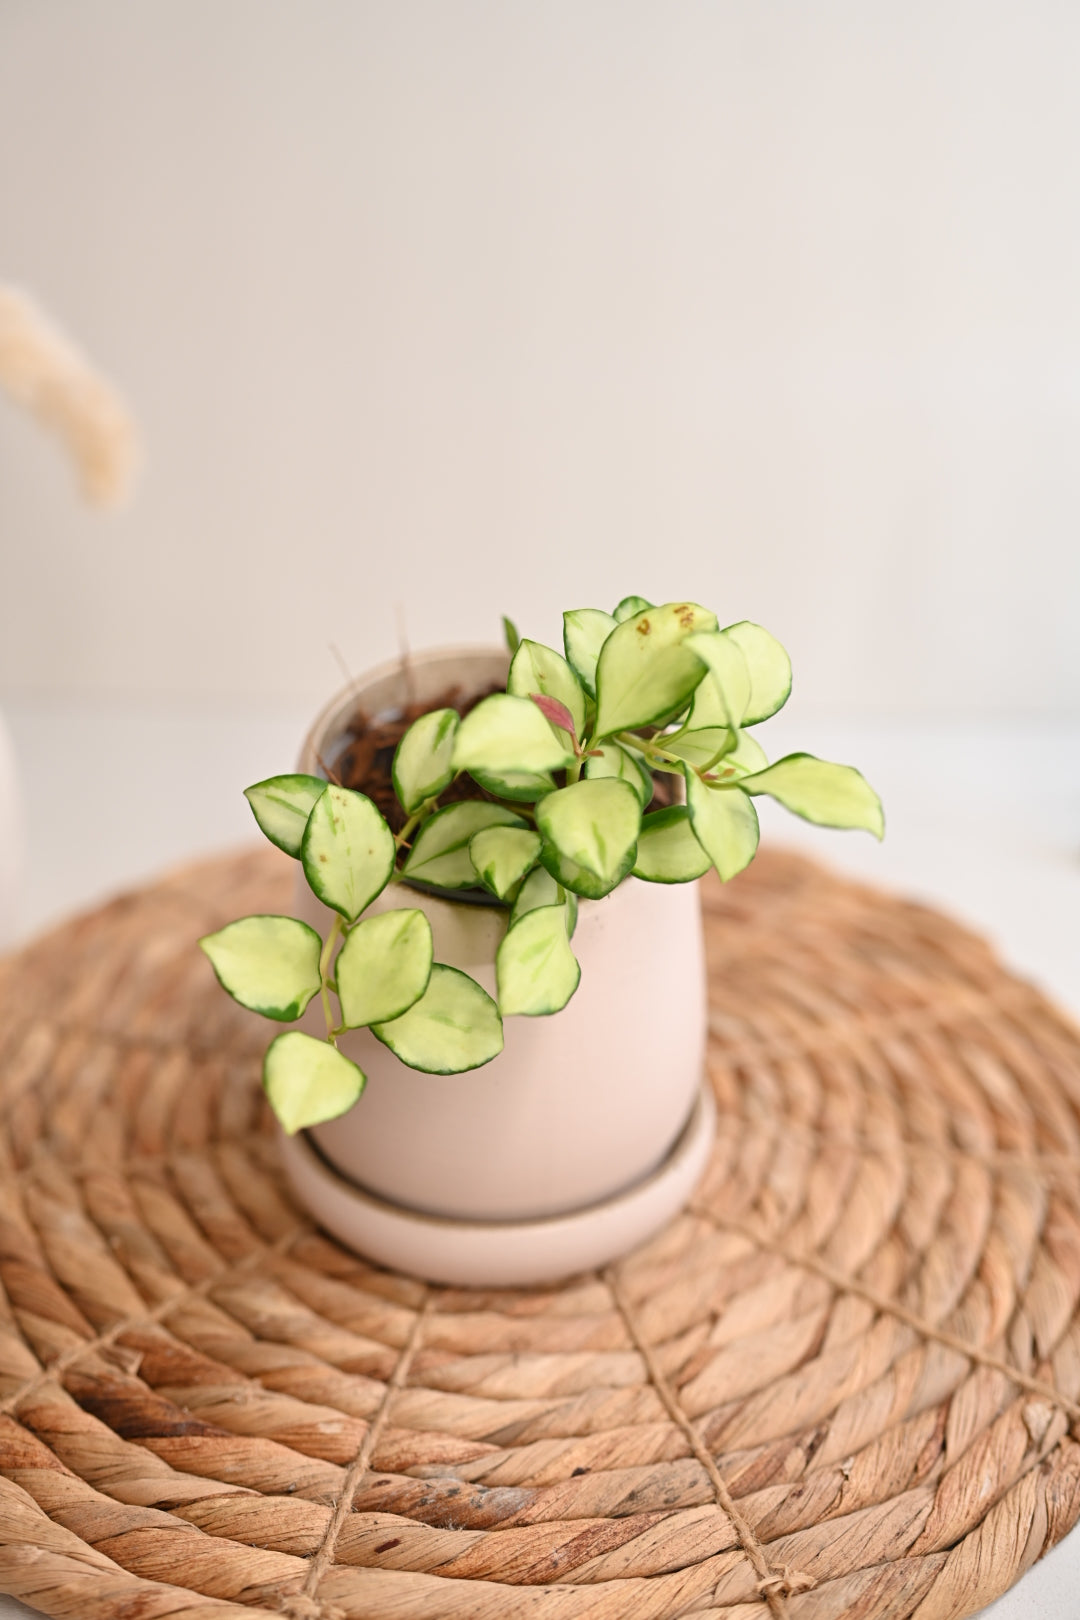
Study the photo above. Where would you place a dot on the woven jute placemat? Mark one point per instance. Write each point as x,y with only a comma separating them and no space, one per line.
845,1383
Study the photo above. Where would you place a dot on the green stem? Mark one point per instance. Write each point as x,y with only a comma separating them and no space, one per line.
711,764
428,808
657,757
673,736
324,973
643,745
409,828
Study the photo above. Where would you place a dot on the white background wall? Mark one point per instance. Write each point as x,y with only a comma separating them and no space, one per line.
515,304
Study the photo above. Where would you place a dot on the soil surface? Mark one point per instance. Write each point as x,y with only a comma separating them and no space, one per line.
365,755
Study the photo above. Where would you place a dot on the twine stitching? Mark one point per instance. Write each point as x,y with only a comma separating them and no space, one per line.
305,1605
891,1307
68,1358
774,1585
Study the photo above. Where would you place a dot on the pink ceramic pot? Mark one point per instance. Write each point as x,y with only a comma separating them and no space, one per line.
580,1112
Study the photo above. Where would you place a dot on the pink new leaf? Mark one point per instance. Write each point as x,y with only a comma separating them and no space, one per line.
553,710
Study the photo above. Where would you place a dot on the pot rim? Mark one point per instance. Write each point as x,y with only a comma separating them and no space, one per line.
336,709
327,725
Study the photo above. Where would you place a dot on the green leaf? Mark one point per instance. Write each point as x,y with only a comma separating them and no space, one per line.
502,856
423,759
769,668
831,795
308,1081
646,672
508,733
727,666
348,851
708,710
541,889
270,964
510,634
747,755
523,787
701,747
281,805
629,606
736,749
725,824
615,761
584,632
453,1027
590,833
440,855
668,851
535,969
536,668
383,967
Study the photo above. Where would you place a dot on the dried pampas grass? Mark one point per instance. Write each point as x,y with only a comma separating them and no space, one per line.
43,370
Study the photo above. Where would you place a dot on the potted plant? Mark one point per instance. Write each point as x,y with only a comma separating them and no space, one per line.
495,973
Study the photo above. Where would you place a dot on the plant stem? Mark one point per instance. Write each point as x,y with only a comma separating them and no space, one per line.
324,972
643,745
428,808
673,736
409,828
711,764
656,756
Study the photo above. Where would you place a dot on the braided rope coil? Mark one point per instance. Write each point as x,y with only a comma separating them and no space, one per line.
845,1383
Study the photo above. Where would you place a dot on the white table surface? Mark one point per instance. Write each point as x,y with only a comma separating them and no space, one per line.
983,821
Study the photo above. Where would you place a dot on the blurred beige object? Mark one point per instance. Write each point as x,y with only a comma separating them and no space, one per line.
41,369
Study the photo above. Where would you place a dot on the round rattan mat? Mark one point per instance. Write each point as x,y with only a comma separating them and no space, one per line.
843,1384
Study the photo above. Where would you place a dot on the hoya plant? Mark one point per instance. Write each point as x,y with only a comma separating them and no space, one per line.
567,759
